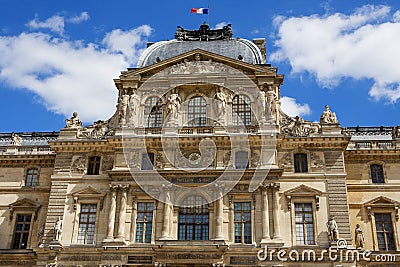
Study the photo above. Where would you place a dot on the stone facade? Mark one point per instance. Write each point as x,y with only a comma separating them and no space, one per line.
199,166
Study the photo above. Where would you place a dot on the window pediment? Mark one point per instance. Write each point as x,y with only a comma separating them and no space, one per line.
88,193
302,191
24,205
381,203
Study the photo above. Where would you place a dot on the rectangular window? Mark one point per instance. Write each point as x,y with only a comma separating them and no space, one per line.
377,174
21,232
241,160
94,166
147,161
300,162
242,218
144,222
31,177
384,231
87,221
304,224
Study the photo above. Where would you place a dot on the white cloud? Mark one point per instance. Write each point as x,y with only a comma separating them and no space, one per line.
84,16
67,75
130,43
54,23
396,16
221,24
292,108
331,47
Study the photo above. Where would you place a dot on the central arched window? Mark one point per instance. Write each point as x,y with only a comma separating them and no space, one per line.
153,112
241,110
197,111
193,219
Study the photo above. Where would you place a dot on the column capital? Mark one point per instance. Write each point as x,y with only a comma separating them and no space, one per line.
123,187
274,186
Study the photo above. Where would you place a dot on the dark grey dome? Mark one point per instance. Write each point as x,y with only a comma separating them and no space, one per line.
241,49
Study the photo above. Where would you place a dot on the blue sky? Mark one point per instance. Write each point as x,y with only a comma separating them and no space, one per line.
60,56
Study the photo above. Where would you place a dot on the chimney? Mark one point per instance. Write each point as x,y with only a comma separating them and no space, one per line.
260,43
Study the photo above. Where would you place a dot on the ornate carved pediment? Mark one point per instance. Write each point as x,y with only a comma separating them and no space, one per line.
100,129
298,127
191,59
24,205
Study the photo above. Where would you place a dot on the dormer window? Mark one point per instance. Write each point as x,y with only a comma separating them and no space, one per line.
147,161
377,174
31,177
94,166
300,162
241,160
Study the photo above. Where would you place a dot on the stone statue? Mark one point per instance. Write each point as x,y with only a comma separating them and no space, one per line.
271,103
220,104
173,104
132,108
333,230
328,117
58,229
74,122
262,105
396,132
122,107
16,140
359,237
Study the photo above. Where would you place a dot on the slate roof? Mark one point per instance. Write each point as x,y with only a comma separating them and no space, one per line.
231,48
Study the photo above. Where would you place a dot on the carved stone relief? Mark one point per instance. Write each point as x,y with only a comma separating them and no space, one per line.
99,130
108,162
79,164
297,126
316,161
286,161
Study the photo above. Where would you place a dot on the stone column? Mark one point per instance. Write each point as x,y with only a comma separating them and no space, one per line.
219,235
265,215
165,234
122,212
275,189
133,220
111,215
231,220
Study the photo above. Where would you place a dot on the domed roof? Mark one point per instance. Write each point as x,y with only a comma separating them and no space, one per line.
186,41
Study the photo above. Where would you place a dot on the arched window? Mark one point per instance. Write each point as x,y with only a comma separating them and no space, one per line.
241,110
197,111
153,112
193,219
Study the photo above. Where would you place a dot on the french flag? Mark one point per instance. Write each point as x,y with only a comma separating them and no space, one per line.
199,10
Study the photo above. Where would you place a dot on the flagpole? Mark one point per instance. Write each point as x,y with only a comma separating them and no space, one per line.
208,15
